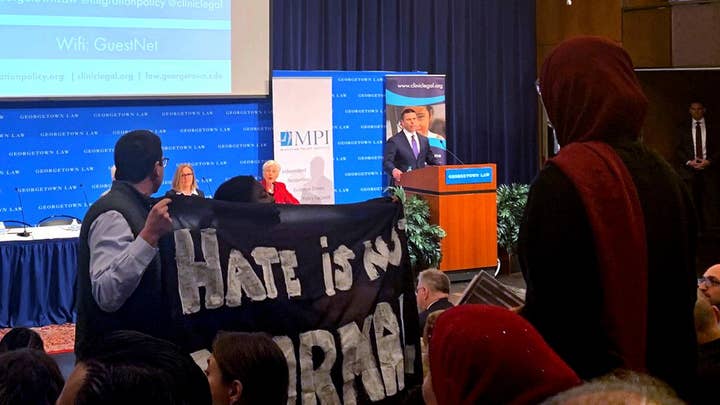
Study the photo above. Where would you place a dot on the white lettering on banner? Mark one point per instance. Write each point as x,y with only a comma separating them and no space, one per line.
241,276
316,382
343,275
288,262
389,349
358,359
198,274
286,346
265,257
383,256
327,269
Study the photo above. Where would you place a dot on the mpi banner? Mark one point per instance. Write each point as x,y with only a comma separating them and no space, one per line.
424,94
302,137
331,284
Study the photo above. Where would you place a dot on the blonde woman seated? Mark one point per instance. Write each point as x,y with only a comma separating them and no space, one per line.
184,182
271,171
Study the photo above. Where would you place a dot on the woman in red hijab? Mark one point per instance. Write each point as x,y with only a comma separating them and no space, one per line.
607,243
481,354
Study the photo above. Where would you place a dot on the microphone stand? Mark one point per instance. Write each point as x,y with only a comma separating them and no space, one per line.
25,233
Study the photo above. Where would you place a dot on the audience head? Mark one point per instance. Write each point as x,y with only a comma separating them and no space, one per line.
432,285
271,171
29,376
184,179
486,354
128,367
707,317
697,110
619,388
138,158
590,91
247,368
408,118
243,189
20,338
709,284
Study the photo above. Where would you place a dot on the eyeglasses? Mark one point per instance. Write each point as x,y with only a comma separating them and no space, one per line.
164,161
709,281
186,174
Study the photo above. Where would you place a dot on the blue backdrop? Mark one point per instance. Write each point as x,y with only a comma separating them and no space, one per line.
55,158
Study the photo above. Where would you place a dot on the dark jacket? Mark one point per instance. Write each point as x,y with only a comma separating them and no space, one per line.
399,154
144,310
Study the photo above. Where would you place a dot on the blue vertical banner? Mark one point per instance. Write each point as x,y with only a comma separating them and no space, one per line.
58,160
424,94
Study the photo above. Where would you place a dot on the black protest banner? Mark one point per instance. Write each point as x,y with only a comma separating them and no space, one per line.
331,284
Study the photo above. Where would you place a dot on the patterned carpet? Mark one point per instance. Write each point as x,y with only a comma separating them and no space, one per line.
57,338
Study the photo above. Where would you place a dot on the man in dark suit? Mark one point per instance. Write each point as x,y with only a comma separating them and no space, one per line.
407,150
698,154
432,292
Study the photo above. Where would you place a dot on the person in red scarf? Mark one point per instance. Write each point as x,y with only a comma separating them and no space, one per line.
482,354
607,242
271,171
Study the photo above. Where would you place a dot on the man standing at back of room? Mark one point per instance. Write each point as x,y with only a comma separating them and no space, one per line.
119,283
696,155
407,150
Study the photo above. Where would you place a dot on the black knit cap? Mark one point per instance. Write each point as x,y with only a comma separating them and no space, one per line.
136,153
243,189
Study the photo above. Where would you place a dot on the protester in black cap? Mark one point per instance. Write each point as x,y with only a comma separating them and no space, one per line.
243,189
119,282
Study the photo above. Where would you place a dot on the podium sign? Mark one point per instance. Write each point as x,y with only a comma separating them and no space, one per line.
469,175
463,201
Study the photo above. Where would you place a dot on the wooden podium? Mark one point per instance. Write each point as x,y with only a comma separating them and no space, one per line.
462,201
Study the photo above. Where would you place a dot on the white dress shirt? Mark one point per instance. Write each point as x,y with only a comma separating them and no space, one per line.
117,260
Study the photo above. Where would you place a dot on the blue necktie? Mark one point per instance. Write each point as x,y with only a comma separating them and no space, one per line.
415,148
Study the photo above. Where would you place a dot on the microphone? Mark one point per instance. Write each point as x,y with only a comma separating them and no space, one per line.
25,232
457,159
84,195
208,184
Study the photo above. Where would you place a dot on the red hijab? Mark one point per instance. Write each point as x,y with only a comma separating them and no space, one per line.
592,96
481,354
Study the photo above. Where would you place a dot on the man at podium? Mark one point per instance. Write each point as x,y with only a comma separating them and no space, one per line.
407,150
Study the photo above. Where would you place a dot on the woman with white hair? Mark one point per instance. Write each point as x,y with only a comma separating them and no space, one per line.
271,171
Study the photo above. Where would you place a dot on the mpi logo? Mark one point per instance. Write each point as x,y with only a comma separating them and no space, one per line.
311,137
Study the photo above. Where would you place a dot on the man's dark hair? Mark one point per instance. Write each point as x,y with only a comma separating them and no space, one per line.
29,376
257,362
21,338
136,154
406,111
243,189
128,367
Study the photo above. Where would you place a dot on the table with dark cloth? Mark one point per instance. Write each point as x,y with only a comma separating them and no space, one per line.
37,279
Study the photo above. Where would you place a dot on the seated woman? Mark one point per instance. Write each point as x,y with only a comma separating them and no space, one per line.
271,171
247,368
184,182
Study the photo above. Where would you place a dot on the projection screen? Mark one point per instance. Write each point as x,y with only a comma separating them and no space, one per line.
134,48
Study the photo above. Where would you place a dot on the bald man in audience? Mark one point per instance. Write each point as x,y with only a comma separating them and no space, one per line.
709,284
432,293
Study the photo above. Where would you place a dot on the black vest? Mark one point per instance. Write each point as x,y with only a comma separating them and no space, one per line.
145,310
